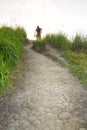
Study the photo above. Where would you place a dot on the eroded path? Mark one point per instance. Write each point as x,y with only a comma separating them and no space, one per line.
48,98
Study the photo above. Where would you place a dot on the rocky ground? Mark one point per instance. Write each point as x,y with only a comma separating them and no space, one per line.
47,97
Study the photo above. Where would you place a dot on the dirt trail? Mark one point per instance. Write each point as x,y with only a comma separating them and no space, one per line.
48,97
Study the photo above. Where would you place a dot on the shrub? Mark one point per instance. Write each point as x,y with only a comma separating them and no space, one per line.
39,45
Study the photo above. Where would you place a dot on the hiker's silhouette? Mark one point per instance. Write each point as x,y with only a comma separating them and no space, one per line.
38,32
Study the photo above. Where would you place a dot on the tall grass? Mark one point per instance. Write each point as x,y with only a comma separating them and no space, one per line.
11,43
59,41
80,43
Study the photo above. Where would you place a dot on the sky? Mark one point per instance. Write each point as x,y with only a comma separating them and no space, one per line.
53,16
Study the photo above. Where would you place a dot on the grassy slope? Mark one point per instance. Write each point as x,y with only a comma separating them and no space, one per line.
11,43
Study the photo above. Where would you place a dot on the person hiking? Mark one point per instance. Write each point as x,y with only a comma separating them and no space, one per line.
38,32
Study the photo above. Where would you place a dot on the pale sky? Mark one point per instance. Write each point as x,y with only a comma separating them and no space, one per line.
68,16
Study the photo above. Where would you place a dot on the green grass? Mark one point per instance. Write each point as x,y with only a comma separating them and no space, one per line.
77,64
59,41
11,44
80,44
39,45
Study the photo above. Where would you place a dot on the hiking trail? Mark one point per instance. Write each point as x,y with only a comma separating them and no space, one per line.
47,97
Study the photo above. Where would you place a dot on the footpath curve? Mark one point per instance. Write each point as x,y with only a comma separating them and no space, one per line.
48,97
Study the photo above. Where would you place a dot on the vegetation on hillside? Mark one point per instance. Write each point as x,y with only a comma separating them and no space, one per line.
11,43
80,44
39,45
59,41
